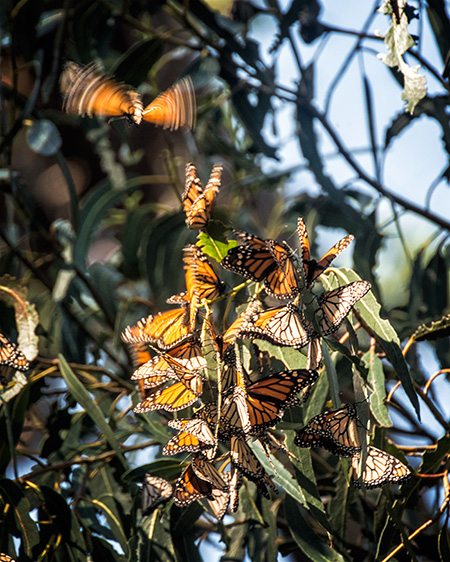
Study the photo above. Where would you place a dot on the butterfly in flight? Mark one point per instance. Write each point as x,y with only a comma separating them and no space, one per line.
380,468
312,268
265,260
88,91
155,491
198,203
11,355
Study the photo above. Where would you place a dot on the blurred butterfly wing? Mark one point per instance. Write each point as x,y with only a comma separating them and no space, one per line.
173,398
140,353
89,92
283,282
335,305
381,468
11,355
174,108
190,487
6,558
155,491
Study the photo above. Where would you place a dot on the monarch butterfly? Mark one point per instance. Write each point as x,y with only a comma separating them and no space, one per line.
262,403
242,321
155,490
11,355
185,357
194,435
380,468
201,280
312,268
198,203
336,431
175,397
264,260
244,459
232,370
140,353
281,326
219,502
335,305
198,480
167,329
89,92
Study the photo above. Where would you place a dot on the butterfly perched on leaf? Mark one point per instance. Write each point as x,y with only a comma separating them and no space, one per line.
11,355
198,480
194,435
198,203
265,260
155,491
283,326
202,282
380,468
337,431
334,306
313,269
88,91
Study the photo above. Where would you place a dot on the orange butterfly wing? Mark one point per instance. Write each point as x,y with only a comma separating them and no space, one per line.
174,108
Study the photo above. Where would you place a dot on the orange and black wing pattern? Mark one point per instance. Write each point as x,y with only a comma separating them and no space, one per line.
194,435
380,468
88,91
11,355
167,329
336,431
198,203
174,108
312,268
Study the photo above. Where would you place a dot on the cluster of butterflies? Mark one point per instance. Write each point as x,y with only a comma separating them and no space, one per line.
88,91
169,353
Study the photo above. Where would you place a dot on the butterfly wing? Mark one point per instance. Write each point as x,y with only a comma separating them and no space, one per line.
244,459
194,435
335,305
11,355
173,398
89,92
155,491
198,204
252,259
174,108
283,281
381,468
190,487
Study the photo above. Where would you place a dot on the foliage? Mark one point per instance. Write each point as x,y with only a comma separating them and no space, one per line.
91,238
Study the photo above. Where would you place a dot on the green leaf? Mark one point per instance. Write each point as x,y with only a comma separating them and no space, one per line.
308,541
14,497
368,311
214,242
92,409
107,505
43,137
377,380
